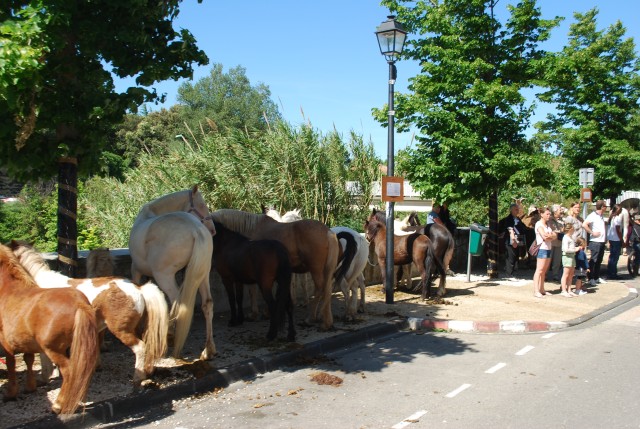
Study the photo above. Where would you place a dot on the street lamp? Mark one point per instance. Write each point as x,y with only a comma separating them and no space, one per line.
391,37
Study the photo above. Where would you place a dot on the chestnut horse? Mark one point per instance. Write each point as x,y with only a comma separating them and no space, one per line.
356,252
49,321
311,245
441,239
416,248
170,233
119,304
239,260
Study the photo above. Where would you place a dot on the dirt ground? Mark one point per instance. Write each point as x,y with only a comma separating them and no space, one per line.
480,300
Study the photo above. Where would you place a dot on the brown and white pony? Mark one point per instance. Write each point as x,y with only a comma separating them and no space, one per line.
311,245
59,323
120,306
170,233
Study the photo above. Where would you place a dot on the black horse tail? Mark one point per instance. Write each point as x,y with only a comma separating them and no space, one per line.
284,302
347,256
430,261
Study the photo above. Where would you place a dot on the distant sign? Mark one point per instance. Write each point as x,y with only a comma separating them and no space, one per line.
586,176
586,196
392,189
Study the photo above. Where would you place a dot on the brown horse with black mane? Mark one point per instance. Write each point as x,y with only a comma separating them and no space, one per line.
50,321
416,248
311,245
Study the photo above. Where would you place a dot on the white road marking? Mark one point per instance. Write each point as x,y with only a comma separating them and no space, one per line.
549,335
495,368
525,350
413,418
458,390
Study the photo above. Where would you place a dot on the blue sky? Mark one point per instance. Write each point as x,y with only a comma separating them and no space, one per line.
322,57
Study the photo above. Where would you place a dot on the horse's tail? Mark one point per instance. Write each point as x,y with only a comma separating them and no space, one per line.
433,260
82,359
329,269
155,332
198,268
284,301
347,257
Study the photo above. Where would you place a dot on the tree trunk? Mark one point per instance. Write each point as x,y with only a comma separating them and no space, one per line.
492,238
67,215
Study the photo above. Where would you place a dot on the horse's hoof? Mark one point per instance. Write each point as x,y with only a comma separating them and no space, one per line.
271,336
208,354
56,408
291,337
6,398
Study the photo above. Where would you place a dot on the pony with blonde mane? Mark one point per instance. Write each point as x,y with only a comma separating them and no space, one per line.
120,306
57,322
311,245
170,233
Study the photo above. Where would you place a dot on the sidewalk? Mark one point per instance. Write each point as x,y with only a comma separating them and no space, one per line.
484,306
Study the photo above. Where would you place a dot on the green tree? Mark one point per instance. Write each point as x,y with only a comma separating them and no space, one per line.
467,104
595,86
227,100
151,132
64,103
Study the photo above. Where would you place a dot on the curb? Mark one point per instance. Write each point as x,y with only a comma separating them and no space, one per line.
512,326
118,408
112,410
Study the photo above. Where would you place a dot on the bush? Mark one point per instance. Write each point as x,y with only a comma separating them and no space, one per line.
287,168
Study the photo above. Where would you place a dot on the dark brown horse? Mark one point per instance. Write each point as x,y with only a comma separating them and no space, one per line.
311,245
441,239
57,322
416,248
239,260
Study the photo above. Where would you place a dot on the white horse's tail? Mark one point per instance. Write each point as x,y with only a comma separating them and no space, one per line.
198,268
155,332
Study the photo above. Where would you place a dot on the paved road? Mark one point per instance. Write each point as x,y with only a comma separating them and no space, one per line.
585,377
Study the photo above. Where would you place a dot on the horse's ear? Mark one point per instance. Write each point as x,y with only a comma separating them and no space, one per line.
194,189
264,209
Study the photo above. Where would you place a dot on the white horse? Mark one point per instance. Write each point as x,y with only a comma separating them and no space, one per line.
353,278
170,233
120,306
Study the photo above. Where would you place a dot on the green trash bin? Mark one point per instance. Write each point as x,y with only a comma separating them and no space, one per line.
477,236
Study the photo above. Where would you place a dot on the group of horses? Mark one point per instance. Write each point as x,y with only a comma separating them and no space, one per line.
42,311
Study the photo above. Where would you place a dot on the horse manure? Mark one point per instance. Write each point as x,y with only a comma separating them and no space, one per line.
322,378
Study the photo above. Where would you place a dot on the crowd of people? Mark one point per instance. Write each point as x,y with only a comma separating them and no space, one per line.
559,240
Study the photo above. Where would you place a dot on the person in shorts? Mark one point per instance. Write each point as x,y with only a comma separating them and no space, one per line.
544,236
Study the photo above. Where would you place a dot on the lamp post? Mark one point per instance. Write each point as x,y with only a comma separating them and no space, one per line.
391,37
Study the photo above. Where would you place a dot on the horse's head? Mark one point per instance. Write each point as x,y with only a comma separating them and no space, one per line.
371,228
198,207
378,215
414,219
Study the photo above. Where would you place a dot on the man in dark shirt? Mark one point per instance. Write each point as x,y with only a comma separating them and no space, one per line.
512,230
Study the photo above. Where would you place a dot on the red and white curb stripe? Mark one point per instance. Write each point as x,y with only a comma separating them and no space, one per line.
505,326
466,326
